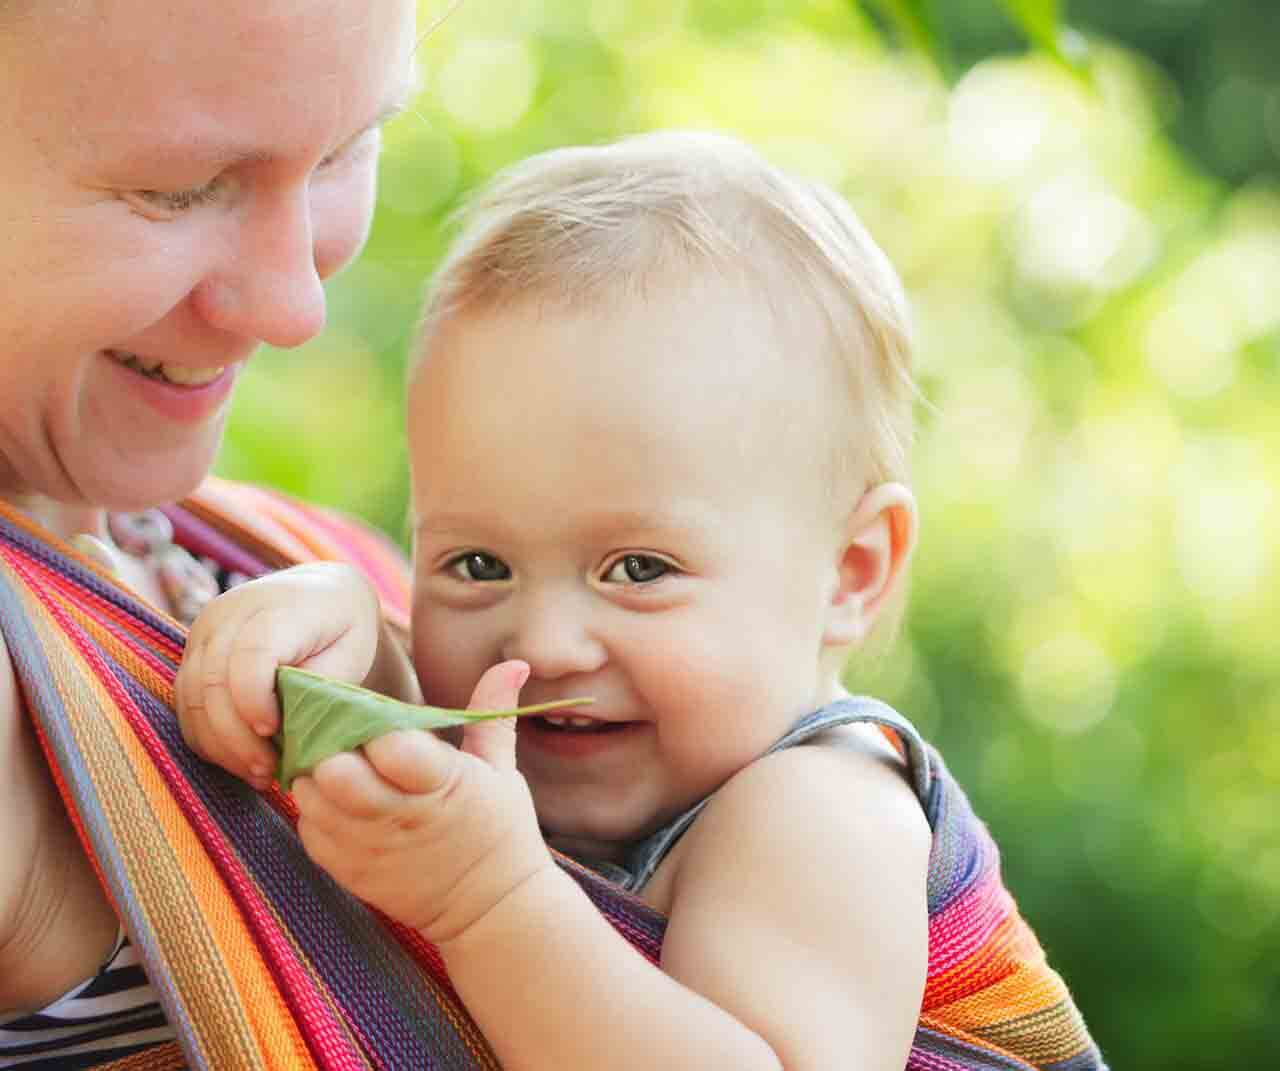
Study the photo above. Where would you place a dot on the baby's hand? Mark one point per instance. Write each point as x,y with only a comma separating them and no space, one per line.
323,617
432,835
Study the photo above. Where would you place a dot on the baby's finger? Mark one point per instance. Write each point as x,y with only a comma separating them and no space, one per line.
413,762
318,841
220,737
498,689
232,741
499,686
186,697
261,646
350,788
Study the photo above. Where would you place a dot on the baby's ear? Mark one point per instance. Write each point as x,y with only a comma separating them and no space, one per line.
879,536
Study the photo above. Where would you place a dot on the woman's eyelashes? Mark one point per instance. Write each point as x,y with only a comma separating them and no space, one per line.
172,203
176,202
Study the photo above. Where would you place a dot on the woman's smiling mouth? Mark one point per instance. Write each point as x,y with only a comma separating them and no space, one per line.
175,374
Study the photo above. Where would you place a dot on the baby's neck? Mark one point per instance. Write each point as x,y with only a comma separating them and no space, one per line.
585,848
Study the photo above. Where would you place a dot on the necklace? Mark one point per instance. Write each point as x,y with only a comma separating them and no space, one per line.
187,582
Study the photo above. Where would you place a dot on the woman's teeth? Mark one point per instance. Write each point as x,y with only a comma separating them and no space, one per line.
177,374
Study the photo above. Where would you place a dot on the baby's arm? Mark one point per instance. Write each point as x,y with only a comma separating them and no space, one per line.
323,616
797,938
800,905
798,922
446,841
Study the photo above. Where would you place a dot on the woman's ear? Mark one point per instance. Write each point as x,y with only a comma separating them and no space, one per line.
878,538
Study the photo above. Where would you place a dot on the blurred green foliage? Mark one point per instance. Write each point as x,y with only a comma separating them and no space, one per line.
1089,637
1216,60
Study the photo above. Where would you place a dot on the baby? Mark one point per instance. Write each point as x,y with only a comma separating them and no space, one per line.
659,430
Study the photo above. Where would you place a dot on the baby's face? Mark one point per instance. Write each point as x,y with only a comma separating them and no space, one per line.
630,502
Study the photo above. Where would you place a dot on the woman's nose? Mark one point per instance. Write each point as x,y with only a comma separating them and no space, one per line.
554,637
270,289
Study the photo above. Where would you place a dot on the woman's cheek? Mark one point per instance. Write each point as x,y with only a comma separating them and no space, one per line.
341,216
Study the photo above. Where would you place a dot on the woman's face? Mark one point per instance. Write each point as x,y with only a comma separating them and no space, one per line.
176,180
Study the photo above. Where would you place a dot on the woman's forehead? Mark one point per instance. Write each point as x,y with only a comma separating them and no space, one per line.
200,72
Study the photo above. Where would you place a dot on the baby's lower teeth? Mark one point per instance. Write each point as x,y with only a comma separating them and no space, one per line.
571,723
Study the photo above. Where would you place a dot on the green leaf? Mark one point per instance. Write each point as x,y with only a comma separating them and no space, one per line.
917,21
322,717
1041,21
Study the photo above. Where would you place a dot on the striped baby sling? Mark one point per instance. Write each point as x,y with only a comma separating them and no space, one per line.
259,960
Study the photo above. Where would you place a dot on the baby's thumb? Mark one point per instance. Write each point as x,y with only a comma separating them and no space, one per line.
498,689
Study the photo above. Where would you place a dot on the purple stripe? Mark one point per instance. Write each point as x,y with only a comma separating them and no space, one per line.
203,539
932,1051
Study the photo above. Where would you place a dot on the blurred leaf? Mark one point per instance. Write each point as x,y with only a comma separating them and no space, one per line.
1041,21
918,23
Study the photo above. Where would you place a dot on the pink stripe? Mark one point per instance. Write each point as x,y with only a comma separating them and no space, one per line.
967,923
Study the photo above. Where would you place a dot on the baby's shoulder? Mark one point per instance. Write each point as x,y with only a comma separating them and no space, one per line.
844,795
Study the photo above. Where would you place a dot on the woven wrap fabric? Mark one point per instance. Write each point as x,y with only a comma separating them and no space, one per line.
259,960
991,1000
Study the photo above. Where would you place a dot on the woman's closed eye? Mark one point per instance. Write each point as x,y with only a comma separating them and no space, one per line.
637,569
176,202
172,203
478,567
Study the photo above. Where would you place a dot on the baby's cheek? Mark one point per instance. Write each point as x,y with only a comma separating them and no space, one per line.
447,665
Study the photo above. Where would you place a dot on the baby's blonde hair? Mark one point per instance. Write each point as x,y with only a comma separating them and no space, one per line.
578,227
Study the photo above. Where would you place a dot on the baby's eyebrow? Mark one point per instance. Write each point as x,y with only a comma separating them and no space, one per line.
679,519
670,521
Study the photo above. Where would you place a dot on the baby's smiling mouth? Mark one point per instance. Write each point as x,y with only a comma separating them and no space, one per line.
175,374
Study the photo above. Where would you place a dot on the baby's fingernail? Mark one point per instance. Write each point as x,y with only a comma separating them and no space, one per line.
264,728
519,674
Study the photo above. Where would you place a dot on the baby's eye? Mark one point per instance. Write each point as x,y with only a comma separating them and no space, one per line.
477,565
637,569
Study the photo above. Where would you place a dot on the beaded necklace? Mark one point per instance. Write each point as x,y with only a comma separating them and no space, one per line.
187,582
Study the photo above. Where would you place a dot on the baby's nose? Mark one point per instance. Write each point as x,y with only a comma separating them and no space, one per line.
555,637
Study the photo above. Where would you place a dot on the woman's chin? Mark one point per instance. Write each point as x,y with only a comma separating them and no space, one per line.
149,482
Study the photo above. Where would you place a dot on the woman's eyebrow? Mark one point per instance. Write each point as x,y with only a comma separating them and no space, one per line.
209,155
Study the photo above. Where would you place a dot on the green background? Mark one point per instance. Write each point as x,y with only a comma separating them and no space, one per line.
1094,266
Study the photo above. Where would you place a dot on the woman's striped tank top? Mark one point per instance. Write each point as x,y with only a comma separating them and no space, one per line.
111,1015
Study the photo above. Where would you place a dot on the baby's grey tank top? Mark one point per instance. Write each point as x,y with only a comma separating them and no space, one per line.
646,855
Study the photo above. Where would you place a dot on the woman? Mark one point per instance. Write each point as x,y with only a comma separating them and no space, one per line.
177,179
